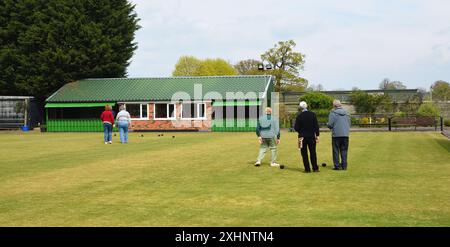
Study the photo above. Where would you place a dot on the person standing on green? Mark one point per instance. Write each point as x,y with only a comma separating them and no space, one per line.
268,132
339,124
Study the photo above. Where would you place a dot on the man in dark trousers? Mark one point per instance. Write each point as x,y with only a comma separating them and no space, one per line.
339,123
308,133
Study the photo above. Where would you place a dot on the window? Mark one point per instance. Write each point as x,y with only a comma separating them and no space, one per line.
201,110
144,112
171,110
134,110
188,110
137,111
193,111
164,111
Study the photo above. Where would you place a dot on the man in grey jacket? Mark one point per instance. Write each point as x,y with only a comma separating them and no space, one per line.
268,132
339,123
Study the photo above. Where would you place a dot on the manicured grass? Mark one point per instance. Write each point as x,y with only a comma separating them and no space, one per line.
208,179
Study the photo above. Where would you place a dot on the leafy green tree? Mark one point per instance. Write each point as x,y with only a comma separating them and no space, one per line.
385,103
412,103
248,67
286,65
440,91
45,44
428,110
364,103
317,100
212,67
192,66
320,103
186,66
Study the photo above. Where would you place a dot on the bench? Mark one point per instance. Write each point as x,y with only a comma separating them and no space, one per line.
414,122
425,121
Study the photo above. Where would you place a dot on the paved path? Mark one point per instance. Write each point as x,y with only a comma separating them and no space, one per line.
385,129
446,132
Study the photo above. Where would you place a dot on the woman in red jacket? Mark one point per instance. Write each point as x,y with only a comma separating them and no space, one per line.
108,121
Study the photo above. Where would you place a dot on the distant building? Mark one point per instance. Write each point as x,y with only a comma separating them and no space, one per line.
18,111
291,99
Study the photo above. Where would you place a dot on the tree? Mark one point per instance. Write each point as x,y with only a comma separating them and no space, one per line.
386,84
317,100
440,91
428,110
248,67
364,103
384,103
186,66
192,66
213,67
286,65
320,103
45,44
421,93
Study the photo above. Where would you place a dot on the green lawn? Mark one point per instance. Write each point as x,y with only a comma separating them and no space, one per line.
208,179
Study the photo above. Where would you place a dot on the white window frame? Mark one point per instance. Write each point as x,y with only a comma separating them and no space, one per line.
140,111
198,103
167,108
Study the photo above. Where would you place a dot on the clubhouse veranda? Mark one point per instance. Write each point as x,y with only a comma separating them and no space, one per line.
207,103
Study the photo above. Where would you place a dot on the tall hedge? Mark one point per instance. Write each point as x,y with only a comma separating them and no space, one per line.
45,44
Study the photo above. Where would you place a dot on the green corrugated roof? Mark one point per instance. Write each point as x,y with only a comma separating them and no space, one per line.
144,89
68,105
237,103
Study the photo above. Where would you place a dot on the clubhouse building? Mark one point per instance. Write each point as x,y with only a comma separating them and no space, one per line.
206,103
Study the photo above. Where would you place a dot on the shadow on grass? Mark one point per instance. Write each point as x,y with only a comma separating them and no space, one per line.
445,143
296,169
292,168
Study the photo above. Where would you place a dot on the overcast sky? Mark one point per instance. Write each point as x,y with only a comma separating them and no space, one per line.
347,43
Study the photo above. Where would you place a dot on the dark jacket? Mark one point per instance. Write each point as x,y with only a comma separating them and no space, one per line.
306,124
339,122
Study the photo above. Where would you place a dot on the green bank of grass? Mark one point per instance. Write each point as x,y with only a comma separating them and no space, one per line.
208,179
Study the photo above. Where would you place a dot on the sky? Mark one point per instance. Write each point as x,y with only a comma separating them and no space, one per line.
347,43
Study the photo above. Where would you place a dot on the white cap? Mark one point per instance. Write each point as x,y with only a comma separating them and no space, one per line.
303,105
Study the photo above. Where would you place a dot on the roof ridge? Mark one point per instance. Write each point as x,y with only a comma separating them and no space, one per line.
132,89
176,77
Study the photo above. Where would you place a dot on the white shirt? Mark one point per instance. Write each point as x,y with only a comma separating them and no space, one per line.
123,115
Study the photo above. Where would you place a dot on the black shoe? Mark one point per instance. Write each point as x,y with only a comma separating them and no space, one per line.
305,171
336,168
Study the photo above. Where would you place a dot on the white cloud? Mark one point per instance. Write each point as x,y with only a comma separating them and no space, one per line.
347,43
